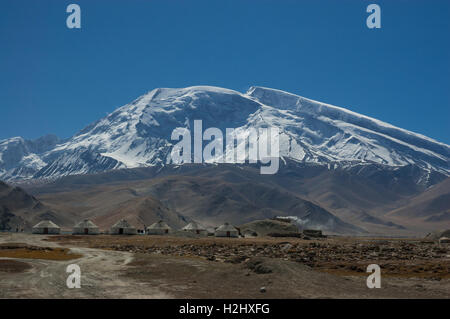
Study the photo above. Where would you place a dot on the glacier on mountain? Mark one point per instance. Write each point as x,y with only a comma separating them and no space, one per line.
138,134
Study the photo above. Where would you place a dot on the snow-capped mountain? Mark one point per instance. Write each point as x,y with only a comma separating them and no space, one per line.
21,159
138,134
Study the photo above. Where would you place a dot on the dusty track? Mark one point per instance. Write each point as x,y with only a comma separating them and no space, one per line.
100,275
136,272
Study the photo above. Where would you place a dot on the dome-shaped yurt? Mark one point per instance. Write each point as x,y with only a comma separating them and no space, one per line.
195,228
46,227
159,228
86,227
226,230
122,227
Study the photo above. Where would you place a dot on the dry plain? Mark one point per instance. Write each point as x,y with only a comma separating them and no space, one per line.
34,266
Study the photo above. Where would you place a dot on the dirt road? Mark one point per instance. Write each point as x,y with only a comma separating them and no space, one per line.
139,267
100,275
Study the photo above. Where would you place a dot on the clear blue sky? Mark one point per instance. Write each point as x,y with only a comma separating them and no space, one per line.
57,80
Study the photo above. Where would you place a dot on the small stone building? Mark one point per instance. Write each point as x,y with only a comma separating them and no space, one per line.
159,228
46,227
226,230
86,227
195,228
122,227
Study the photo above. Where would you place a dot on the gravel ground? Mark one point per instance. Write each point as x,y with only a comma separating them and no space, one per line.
174,267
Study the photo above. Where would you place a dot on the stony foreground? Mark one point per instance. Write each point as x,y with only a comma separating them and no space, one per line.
172,267
350,256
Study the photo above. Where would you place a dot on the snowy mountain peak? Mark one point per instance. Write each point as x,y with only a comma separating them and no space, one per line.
362,133
274,97
138,134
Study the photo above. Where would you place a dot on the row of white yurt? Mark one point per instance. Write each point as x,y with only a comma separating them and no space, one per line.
85,227
122,227
161,228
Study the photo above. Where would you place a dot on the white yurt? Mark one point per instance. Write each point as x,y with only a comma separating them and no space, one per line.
195,228
159,228
122,227
226,230
86,227
46,227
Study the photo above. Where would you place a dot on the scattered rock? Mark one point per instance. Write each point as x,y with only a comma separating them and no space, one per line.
258,266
